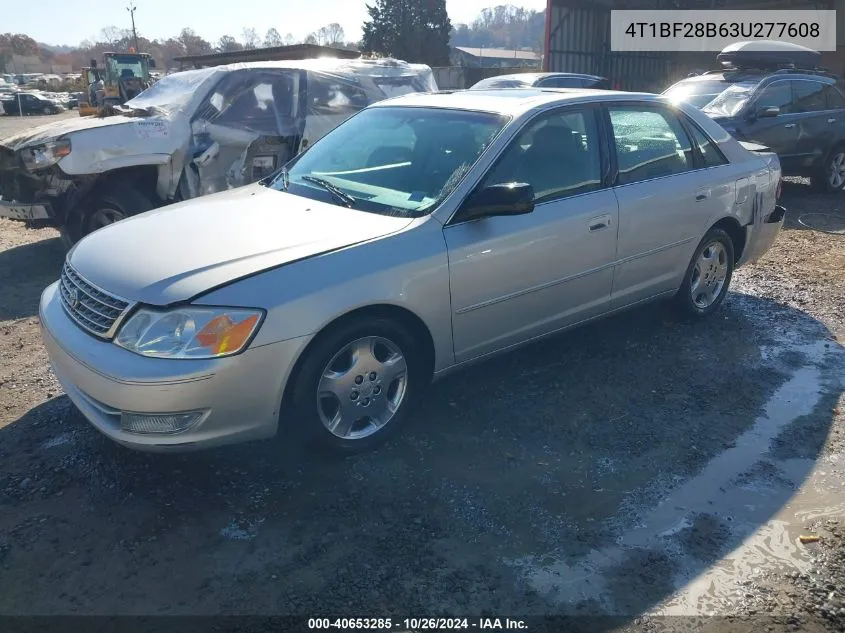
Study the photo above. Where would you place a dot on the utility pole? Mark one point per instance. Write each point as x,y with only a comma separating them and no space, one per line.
131,8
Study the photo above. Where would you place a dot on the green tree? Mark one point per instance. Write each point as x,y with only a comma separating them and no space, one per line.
413,30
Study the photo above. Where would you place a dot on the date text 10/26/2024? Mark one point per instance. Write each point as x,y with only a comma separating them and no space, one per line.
418,624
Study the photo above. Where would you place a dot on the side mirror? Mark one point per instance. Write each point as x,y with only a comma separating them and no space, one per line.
152,62
513,198
769,112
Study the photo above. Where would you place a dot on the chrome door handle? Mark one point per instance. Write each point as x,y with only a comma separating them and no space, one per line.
789,125
831,120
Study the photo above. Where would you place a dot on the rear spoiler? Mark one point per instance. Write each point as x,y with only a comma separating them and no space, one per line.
754,147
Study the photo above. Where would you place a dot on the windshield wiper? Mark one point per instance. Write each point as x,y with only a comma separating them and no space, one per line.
272,179
339,195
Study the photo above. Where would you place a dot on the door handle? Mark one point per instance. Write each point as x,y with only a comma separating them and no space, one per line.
599,223
702,195
831,120
789,125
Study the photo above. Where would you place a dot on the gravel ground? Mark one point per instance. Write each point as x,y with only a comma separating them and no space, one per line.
640,467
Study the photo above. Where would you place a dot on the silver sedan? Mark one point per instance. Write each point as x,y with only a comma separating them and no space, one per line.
424,234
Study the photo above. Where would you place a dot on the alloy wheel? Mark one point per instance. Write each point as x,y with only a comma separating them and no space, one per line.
709,275
362,387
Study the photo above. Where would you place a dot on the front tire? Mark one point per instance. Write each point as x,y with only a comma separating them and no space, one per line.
831,176
356,385
708,276
115,203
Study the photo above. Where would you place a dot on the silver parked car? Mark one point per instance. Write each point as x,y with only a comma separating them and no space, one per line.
423,234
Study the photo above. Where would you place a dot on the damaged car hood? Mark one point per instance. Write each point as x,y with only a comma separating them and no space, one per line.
177,252
56,129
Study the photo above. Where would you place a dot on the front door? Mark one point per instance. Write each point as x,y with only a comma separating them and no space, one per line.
517,277
779,133
244,130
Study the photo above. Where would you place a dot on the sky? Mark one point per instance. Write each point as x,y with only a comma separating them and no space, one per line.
69,22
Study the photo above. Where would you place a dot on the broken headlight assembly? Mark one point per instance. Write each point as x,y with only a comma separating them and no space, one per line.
46,154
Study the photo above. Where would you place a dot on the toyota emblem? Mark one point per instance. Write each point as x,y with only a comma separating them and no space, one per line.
73,298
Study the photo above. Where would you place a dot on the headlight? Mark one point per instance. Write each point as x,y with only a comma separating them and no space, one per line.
45,155
189,332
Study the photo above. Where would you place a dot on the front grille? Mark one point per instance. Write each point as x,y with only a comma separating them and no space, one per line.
93,309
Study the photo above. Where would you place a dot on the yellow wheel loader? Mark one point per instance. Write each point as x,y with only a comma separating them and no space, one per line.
122,77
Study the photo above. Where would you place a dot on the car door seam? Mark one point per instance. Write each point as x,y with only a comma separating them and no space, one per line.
555,282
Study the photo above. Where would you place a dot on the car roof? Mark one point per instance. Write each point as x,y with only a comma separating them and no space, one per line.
513,101
736,75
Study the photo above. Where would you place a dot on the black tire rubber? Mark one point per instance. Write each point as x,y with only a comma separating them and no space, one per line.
304,419
122,196
683,299
818,180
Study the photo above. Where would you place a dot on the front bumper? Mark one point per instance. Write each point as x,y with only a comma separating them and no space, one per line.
241,394
24,210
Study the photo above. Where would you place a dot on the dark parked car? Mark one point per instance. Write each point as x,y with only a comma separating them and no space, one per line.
31,103
542,80
798,113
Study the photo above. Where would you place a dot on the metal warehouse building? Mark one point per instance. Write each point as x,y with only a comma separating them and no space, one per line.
578,40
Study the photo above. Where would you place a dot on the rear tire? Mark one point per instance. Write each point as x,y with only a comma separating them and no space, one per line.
830,178
364,396
115,202
708,276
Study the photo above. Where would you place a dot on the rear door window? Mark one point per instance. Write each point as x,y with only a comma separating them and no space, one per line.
707,148
835,100
650,143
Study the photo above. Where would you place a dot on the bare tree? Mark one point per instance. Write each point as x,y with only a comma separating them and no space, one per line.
227,44
290,39
272,38
112,35
311,38
193,43
333,34
250,38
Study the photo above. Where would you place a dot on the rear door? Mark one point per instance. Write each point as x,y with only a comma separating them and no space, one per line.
667,196
809,107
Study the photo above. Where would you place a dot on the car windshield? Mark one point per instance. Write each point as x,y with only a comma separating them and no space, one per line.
697,93
392,160
731,100
171,93
121,66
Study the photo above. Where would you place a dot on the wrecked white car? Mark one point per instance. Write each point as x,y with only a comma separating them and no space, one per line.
192,133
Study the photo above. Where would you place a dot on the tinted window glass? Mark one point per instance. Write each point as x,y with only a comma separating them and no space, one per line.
649,144
835,100
809,96
712,156
557,154
778,95
563,82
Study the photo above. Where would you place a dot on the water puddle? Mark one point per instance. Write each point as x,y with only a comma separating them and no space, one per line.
728,504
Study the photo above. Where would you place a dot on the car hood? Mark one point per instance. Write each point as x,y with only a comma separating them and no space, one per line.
177,252
56,129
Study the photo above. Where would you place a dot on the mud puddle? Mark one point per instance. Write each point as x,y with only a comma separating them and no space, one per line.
710,536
